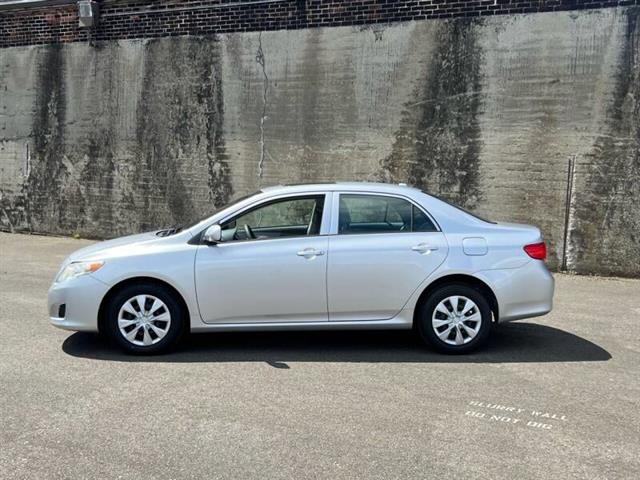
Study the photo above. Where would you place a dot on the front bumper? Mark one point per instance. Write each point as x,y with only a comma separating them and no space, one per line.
81,298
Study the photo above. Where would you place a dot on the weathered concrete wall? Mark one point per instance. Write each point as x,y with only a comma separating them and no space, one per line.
125,136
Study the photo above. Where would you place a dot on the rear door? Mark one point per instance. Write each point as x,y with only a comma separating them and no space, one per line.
382,248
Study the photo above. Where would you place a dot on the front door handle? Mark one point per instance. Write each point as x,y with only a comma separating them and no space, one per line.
310,253
423,248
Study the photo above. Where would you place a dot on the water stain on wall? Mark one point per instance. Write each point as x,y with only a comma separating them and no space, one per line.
87,173
179,131
312,129
210,94
48,200
606,228
96,152
438,144
45,205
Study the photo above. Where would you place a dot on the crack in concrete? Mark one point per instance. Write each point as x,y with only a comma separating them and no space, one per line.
27,164
260,60
568,256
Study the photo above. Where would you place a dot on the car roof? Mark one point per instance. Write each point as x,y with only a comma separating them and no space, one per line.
446,215
333,186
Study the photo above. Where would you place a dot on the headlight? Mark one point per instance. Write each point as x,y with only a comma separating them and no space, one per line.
76,269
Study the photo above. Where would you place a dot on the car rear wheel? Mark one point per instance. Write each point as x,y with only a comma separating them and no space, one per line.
145,319
455,319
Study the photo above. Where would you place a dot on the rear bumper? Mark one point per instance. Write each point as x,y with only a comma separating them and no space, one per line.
81,298
523,292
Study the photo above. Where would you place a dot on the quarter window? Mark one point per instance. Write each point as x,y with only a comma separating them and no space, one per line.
422,223
380,214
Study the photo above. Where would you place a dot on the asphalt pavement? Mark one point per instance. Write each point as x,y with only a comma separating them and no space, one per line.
552,397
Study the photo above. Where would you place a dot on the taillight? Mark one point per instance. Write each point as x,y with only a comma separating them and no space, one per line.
536,250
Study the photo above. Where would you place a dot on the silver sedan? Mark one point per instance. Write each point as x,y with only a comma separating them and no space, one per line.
326,256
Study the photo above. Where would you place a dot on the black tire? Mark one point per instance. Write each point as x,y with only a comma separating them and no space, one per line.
176,326
427,330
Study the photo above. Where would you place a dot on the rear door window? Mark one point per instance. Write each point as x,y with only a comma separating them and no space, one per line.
361,214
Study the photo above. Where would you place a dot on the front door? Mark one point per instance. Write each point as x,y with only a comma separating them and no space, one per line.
270,266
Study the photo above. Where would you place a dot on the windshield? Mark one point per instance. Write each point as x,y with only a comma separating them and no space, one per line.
227,205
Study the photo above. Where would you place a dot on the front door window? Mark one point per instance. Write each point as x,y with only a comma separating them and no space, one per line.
291,217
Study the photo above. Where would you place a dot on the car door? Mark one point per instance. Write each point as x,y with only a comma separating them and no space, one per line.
278,276
382,248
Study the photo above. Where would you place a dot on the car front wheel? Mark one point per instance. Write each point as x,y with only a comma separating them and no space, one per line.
144,319
455,319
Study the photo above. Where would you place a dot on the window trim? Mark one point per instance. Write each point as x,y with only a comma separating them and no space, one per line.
324,222
335,215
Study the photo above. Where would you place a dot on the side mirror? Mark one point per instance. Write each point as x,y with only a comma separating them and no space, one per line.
212,235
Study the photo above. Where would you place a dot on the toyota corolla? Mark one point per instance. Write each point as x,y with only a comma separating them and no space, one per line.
326,256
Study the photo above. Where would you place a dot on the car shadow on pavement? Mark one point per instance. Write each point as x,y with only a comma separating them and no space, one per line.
510,343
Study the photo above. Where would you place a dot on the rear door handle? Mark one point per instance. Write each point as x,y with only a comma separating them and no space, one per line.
310,253
423,248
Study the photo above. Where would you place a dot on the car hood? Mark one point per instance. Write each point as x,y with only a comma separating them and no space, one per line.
109,248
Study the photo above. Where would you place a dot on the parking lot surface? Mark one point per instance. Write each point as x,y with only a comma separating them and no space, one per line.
553,397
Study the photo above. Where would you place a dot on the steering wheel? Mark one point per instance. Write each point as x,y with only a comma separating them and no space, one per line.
248,232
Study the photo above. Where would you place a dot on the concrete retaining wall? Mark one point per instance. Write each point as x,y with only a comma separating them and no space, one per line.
126,136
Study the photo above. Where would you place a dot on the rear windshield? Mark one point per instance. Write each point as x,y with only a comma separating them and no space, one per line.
461,209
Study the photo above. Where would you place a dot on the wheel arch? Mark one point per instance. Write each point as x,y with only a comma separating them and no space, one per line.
459,279
138,280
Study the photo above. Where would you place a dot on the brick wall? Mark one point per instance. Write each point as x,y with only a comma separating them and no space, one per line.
145,19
